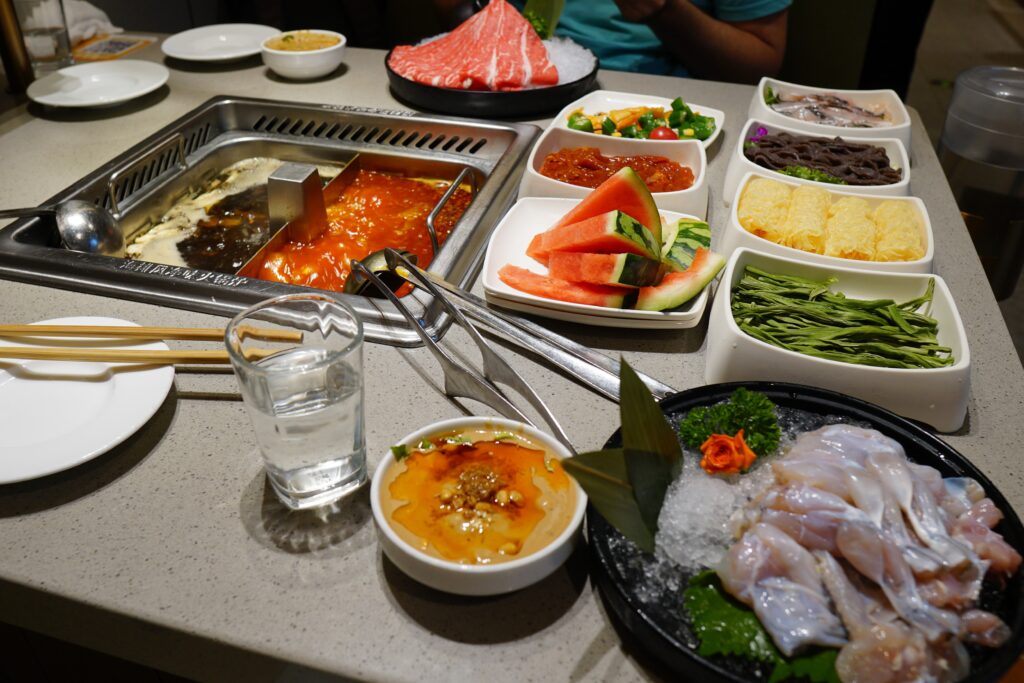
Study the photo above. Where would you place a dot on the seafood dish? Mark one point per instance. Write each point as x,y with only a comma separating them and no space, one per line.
815,540
826,109
587,167
494,50
826,160
806,218
853,546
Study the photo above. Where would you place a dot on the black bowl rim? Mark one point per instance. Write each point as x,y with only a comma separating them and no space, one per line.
502,103
639,623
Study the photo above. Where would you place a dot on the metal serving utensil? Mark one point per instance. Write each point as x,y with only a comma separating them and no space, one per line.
496,370
591,368
459,381
83,226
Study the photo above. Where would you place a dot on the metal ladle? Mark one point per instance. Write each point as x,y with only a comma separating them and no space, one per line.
83,226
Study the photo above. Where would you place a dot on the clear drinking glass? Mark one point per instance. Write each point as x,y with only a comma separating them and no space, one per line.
305,398
46,34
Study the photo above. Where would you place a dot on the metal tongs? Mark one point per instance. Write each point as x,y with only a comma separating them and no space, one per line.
464,381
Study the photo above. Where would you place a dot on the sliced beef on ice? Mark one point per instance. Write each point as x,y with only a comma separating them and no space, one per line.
495,49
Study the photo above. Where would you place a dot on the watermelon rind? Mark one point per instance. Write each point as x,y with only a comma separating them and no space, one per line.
688,236
678,288
620,232
626,270
624,191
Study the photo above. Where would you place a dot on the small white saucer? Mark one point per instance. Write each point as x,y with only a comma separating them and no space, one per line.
218,42
98,84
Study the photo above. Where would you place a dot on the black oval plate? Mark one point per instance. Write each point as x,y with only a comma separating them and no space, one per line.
485,103
662,625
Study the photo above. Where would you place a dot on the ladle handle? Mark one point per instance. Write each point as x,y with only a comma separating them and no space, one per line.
33,211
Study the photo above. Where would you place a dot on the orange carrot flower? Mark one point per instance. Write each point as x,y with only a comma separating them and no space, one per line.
724,454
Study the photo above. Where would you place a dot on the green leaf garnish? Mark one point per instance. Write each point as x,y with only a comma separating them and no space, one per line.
651,449
604,477
425,445
627,485
456,440
750,411
727,628
770,97
505,436
401,452
539,24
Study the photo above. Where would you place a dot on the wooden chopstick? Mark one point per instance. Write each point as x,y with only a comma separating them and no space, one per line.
125,332
153,357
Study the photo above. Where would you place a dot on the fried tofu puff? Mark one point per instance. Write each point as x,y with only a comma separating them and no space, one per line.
763,208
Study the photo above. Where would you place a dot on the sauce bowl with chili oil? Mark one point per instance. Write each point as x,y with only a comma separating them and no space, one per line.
483,506
303,55
689,153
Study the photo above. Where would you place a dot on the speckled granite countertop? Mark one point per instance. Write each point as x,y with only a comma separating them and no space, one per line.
170,550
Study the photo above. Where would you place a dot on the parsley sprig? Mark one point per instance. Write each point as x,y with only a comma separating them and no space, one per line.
750,411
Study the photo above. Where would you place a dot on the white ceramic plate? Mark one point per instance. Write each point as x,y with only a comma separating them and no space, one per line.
99,84
59,414
586,318
218,42
606,100
508,244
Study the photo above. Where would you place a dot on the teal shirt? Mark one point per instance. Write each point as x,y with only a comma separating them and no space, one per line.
627,46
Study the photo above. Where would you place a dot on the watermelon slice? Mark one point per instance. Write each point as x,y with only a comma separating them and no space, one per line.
678,288
612,232
624,192
687,236
627,270
563,290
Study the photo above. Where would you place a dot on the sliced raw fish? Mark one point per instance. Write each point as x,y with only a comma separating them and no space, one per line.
778,578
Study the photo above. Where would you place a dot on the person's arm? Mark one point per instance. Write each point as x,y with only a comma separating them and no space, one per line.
711,48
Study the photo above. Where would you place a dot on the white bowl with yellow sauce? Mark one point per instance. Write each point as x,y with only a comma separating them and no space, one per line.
477,505
302,55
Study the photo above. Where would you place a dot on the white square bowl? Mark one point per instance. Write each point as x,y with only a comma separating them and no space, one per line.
740,165
606,100
900,128
735,235
693,200
935,396
534,215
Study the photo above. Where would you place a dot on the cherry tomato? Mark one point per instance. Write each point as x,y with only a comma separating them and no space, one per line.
663,133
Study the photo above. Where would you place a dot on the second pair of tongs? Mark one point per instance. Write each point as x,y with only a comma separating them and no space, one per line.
465,381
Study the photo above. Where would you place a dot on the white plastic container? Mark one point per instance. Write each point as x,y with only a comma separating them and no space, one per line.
693,200
735,235
739,165
606,100
868,99
936,396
